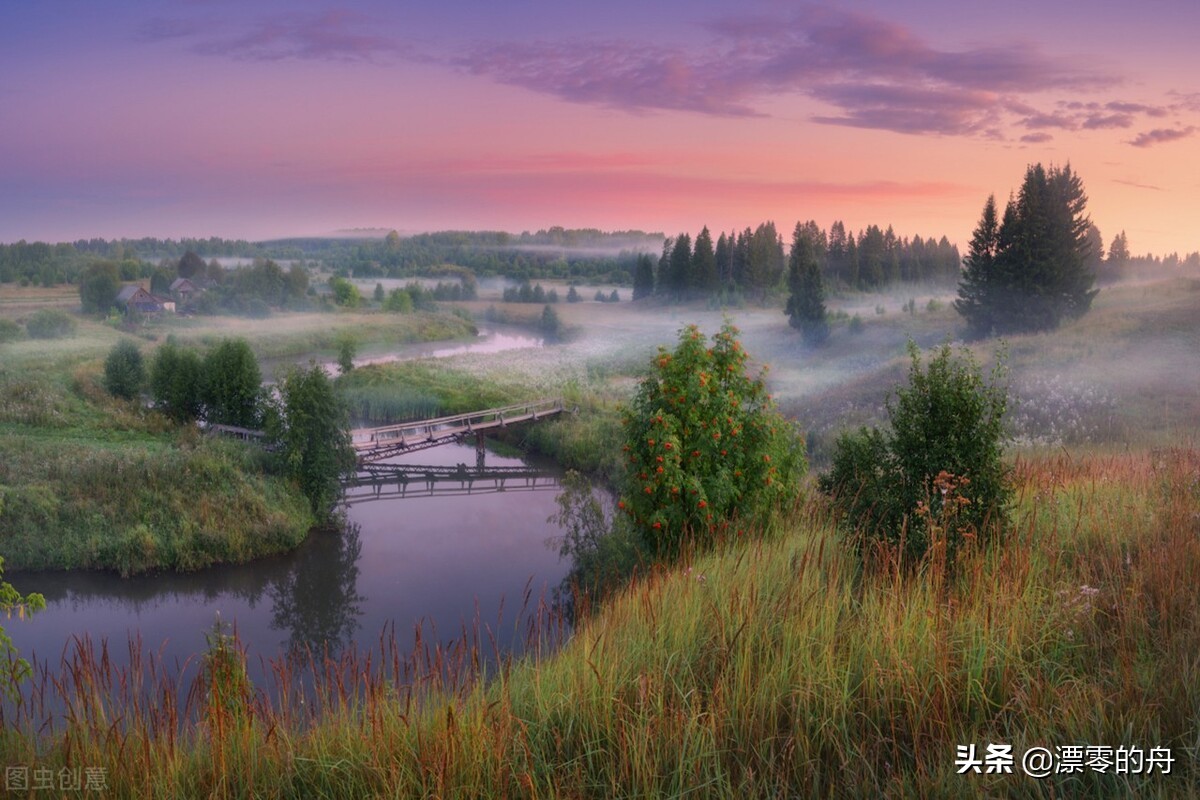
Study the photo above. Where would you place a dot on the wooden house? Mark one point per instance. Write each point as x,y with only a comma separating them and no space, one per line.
183,289
137,299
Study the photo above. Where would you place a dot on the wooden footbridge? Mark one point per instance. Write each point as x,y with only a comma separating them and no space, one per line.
376,444
384,481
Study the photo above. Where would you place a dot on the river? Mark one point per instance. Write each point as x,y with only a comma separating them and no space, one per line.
449,555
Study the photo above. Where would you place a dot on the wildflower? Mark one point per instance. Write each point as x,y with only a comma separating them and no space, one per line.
704,504
621,504
667,445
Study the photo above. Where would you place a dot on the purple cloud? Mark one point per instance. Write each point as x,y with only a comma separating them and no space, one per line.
1136,108
613,74
875,73
327,36
1096,122
907,109
1038,121
1037,138
1161,136
161,29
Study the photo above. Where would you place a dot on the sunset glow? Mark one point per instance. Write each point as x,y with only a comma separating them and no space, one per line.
217,118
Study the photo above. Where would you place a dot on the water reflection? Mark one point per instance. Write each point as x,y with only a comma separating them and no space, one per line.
317,602
441,561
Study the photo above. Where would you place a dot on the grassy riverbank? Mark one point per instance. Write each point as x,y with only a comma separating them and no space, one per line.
90,481
766,668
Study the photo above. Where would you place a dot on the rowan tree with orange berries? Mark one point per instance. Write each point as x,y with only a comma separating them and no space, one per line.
706,451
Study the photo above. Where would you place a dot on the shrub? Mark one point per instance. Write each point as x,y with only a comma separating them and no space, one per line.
12,602
124,371
232,384
312,428
50,323
550,324
345,293
398,302
705,444
937,475
177,382
9,331
98,287
347,350
856,324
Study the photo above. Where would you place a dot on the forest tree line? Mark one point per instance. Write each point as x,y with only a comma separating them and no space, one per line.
751,262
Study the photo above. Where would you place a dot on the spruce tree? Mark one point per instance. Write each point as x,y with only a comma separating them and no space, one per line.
974,301
680,276
1040,274
704,263
724,258
643,278
806,304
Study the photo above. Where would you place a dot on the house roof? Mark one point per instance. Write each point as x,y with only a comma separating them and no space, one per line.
182,283
127,293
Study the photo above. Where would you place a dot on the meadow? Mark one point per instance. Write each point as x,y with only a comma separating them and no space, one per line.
91,481
774,664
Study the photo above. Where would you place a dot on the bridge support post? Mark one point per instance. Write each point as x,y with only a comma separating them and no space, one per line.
480,452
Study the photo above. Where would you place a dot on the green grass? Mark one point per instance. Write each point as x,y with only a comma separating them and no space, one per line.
132,506
297,334
769,667
90,481
408,390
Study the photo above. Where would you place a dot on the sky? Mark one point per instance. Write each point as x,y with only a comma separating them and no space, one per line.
257,120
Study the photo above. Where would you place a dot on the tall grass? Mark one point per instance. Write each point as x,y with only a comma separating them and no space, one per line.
407,390
771,667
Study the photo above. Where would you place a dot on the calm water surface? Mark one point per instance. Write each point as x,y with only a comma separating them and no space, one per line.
437,556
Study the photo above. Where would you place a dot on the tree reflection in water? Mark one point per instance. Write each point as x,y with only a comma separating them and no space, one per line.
317,601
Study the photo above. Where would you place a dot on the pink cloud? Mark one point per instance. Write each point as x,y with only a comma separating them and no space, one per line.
1161,136
328,36
879,74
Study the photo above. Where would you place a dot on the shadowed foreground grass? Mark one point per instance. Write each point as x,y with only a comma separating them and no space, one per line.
766,668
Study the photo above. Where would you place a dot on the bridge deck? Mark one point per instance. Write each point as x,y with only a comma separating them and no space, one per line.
373,444
381,481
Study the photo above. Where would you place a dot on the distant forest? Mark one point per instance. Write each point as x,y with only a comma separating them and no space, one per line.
751,262
746,260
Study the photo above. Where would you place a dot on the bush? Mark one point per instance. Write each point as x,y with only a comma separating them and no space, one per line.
398,302
345,293
124,372
705,445
50,324
9,331
98,287
550,324
12,602
856,324
347,350
936,477
177,382
312,428
232,384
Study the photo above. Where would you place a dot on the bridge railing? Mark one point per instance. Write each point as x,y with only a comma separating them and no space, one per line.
366,438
